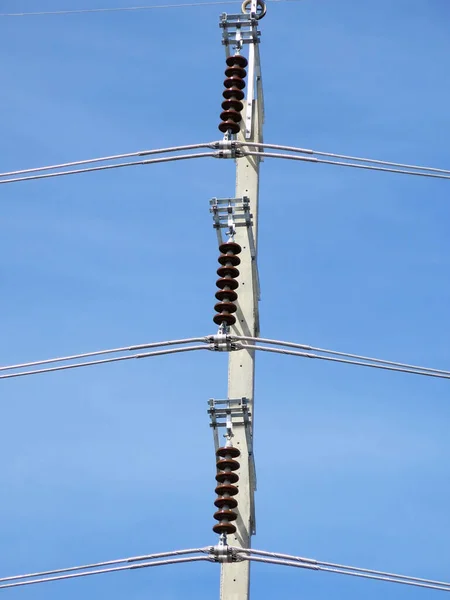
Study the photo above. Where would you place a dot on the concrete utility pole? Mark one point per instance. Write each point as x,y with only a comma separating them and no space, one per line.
235,577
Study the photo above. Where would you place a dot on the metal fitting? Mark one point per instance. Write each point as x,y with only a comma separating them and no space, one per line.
222,553
221,342
233,153
226,144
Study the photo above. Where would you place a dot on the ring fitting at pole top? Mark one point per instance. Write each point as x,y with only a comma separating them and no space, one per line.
262,8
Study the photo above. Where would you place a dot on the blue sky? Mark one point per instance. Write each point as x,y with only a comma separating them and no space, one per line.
118,460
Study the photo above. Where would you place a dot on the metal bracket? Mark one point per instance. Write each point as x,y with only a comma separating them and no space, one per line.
232,212
237,410
239,29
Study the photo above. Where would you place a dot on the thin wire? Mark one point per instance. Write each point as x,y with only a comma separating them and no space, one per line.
344,361
99,352
105,158
158,563
103,361
299,565
106,563
118,166
344,156
343,164
130,8
335,352
330,564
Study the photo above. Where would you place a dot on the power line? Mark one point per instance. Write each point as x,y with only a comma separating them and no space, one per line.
214,145
130,8
144,565
360,360
104,361
106,563
340,566
345,157
348,362
290,563
337,353
99,352
217,154
162,159
348,164
118,9
113,157
208,339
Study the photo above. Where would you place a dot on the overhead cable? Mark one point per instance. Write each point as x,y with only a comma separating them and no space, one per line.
143,565
337,353
105,158
338,565
347,361
404,169
162,159
299,565
346,164
103,361
106,563
344,156
130,8
100,352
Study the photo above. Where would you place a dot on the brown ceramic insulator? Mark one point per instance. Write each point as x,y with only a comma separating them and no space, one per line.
224,501
236,71
222,318
227,463
230,248
226,295
227,477
229,259
225,126
234,82
227,283
237,59
226,488
232,104
224,527
225,451
228,271
233,93
231,115
228,515
225,307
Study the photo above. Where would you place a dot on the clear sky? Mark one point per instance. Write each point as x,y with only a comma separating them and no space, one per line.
112,461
